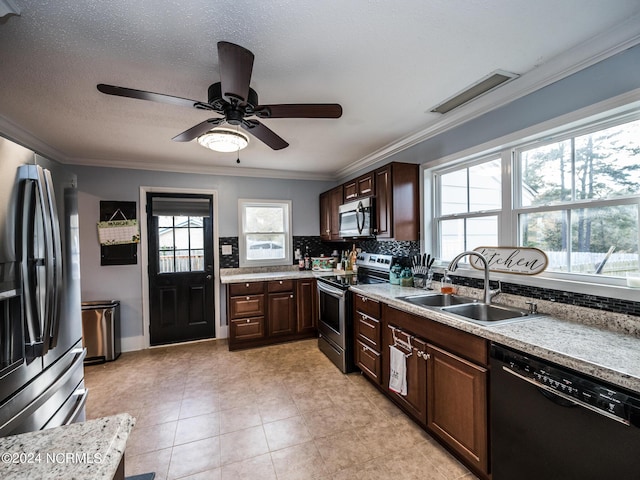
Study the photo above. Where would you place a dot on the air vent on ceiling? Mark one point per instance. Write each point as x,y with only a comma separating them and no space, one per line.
484,85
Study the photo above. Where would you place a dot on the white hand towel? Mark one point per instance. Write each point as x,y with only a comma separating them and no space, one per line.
398,371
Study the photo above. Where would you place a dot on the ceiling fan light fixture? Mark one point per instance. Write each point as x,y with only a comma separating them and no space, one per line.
224,140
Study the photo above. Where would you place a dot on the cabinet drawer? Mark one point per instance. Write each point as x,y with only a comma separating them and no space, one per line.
247,306
280,286
369,361
247,288
367,305
368,330
247,328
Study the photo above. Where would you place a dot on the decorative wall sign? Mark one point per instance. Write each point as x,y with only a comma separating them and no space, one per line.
521,260
116,253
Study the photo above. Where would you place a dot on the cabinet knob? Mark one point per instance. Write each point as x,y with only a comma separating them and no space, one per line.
248,298
291,296
327,231
246,285
280,282
248,320
419,353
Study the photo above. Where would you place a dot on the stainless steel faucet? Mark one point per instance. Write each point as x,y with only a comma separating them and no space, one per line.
488,293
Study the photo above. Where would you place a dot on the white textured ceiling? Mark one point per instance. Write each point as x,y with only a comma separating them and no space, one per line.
386,62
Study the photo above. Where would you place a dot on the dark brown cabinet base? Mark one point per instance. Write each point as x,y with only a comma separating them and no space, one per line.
263,313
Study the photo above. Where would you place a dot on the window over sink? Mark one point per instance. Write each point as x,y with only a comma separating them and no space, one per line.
573,192
265,232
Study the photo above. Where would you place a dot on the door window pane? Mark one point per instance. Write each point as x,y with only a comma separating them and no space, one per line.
181,244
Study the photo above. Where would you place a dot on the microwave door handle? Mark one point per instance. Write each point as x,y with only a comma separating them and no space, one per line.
56,243
359,210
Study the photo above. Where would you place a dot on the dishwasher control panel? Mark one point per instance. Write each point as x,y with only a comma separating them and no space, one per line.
591,393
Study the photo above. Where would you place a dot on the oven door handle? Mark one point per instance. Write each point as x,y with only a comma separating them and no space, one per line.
334,292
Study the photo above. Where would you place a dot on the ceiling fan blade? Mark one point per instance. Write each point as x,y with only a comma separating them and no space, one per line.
236,65
299,110
198,130
264,134
154,97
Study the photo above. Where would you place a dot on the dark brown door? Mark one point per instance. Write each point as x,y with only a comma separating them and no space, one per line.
180,267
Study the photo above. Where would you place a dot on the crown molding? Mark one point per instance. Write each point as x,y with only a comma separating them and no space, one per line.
619,38
203,170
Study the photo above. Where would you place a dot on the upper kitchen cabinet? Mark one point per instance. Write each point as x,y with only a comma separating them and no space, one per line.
363,186
330,202
397,204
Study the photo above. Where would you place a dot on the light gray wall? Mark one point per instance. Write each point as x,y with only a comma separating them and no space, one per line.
123,282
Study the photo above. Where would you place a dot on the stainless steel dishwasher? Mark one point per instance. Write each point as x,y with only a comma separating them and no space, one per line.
550,422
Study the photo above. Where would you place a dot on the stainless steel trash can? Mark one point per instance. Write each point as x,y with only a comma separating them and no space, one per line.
101,330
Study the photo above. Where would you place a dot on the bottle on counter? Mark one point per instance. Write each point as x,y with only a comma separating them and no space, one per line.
300,259
307,259
446,284
353,258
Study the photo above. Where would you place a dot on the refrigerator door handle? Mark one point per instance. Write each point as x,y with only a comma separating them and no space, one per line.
55,288
83,393
30,264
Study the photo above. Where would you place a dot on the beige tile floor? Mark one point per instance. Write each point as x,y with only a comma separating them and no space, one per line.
278,412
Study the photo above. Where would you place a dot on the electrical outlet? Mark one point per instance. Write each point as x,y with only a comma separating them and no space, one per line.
226,250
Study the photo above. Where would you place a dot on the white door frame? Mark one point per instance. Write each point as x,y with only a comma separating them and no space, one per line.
221,331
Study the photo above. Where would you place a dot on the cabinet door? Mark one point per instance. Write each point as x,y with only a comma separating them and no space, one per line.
307,305
246,329
369,361
281,314
325,216
457,404
365,185
415,401
384,202
334,206
350,190
247,306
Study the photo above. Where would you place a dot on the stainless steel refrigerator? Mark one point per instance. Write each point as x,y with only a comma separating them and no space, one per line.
41,353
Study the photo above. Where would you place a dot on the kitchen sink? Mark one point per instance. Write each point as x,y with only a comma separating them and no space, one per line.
469,309
437,300
488,314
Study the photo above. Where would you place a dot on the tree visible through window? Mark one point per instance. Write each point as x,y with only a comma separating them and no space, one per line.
579,199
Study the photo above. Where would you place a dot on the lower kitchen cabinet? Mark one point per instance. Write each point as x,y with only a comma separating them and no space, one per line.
369,361
415,401
262,313
457,405
282,313
245,329
367,353
447,383
307,306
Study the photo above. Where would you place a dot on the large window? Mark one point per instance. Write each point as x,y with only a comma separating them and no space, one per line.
579,200
265,232
575,196
470,199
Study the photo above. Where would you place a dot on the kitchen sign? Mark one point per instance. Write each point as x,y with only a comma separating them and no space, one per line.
520,260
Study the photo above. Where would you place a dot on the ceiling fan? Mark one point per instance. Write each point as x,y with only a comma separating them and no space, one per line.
235,100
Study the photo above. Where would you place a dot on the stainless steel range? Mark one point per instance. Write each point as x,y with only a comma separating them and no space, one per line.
335,324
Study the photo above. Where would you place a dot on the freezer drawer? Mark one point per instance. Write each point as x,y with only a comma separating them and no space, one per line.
101,330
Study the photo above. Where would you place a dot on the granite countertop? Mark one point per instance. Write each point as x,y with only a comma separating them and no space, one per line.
90,450
239,275
602,344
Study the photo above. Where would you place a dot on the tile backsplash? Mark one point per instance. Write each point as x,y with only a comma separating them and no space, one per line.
405,250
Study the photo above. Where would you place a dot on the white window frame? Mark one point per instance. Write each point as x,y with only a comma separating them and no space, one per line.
625,107
243,203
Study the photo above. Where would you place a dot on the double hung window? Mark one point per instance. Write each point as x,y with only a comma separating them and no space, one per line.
576,196
265,232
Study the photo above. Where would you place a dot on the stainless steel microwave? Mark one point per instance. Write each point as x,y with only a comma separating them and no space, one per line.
356,218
